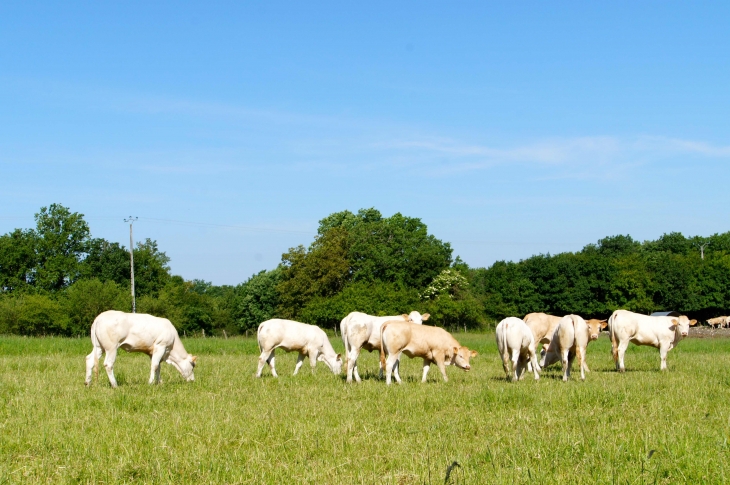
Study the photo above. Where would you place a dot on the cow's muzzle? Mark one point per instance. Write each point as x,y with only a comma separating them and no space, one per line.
684,334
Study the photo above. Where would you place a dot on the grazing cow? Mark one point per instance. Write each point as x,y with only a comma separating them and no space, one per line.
570,340
543,327
362,331
432,344
718,322
516,344
137,332
308,340
661,332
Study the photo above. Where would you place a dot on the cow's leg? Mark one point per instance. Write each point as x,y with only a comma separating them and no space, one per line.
516,364
442,368
155,359
263,360
580,353
426,367
389,363
272,363
313,359
380,368
92,364
300,361
622,346
352,364
396,370
506,363
663,350
535,365
111,356
614,352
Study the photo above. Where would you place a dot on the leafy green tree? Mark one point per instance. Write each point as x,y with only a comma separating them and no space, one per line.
106,261
33,315
87,298
61,245
17,259
257,300
323,271
151,268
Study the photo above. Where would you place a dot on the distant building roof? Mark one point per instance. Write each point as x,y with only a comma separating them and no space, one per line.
666,314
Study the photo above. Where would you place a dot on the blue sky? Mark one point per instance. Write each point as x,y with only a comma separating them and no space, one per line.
230,129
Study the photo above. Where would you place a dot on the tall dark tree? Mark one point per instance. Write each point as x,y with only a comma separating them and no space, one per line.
62,242
17,259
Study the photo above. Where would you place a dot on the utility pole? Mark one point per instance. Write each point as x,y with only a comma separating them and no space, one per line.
702,248
131,259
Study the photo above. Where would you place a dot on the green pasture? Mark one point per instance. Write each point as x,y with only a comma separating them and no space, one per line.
643,426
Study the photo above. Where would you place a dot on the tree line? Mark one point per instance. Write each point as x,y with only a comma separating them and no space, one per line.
55,278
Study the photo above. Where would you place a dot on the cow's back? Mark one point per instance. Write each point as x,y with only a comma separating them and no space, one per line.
542,325
135,332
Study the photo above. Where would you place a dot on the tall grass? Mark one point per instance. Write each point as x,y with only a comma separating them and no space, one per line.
229,427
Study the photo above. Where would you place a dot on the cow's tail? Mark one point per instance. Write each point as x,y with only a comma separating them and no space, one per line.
505,351
382,346
612,332
343,333
95,343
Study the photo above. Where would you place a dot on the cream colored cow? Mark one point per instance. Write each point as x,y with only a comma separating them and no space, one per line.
570,341
663,333
718,322
362,331
137,332
432,344
543,327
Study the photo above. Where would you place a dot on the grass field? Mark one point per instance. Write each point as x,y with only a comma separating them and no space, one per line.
229,427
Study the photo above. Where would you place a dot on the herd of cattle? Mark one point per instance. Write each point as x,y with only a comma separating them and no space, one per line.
563,339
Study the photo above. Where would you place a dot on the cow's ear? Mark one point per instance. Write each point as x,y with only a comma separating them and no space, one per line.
339,357
474,353
604,324
194,358
456,351
692,322
675,322
406,317
425,316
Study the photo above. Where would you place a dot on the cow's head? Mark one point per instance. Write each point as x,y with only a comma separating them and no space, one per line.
335,364
416,317
461,357
185,366
595,327
682,324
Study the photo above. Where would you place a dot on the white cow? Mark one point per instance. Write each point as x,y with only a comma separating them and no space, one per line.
137,332
291,336
362,331
516,344
571,340
660,332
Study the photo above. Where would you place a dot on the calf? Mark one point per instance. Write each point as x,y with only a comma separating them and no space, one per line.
543,327
516,343
137,332
291,336
362,331
570,340
661,332
718,322
432,344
